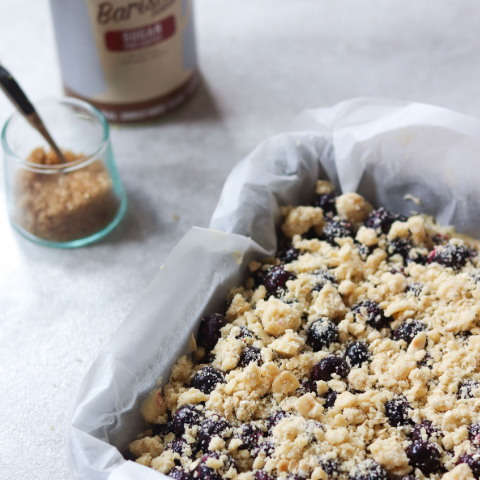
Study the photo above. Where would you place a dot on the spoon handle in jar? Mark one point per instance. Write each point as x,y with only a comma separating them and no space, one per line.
13,91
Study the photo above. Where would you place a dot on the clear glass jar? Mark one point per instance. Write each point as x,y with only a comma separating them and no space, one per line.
62,205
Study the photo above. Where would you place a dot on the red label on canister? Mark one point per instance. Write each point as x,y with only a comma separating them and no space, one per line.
142,37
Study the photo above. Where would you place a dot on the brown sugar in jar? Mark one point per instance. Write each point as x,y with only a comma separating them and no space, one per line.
62,206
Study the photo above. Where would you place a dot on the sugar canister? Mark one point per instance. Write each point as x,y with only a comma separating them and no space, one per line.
134,60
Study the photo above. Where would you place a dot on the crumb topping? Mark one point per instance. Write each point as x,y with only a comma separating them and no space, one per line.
354,354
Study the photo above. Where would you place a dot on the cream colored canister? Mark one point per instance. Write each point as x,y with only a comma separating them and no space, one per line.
134,60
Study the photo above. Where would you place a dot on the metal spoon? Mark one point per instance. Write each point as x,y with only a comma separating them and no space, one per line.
20,100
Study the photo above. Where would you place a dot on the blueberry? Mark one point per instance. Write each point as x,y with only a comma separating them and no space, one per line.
250,435
276,418
474,434
177,445
307,387
398,269
415,288
207,379
475,275
250,354
128,455
163,429
454,256
276,280
400,246
312,428
327,203
287,253
324,277
440,239
317,287
331,467
407,330
310,234
180,473
473,461
330,399
365,251
322,334
180,446
380,220
186,416
267,448
371,313
415,256
209,358
464,335
244,333
209,331
426,361
368,470
425,456
213,426
424,431
259,276
468,389
396,411
357,353
263,475
337,229
227,459
329,366
205,472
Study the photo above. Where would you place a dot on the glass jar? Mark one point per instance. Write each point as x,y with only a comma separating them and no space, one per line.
64,205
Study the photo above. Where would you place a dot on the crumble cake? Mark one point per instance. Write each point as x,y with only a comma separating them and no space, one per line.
351,355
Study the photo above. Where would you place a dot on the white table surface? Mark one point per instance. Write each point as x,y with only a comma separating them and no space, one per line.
262,62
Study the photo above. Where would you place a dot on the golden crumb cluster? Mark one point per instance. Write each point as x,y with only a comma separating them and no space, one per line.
354,354
67,205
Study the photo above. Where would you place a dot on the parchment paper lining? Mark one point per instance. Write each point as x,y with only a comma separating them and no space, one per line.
383,149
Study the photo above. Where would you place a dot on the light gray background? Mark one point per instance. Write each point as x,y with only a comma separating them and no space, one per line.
263,62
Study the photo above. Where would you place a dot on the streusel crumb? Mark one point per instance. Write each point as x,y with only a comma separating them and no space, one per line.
355,354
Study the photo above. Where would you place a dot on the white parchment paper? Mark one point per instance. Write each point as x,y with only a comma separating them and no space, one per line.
381,148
